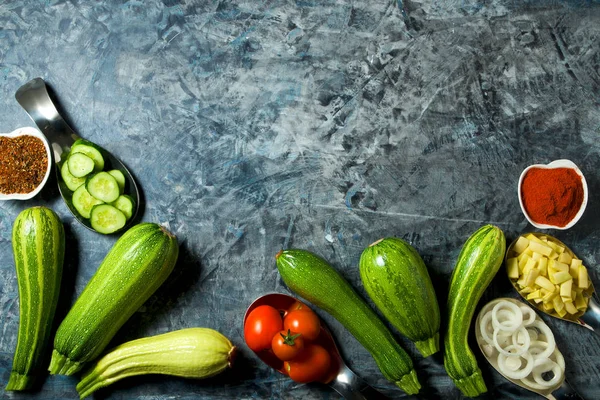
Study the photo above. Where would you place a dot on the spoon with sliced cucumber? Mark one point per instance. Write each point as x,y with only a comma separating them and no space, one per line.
98,189
553,279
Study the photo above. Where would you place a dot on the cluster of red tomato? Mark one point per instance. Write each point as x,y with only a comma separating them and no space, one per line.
290,335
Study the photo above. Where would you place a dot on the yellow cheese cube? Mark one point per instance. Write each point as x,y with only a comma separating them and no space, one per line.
582,280
558,303
540,248
544,283
565,289
565,258
571,309
561,277
521,244
513,268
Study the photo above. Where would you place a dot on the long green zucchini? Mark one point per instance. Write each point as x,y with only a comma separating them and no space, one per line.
189,353
314,279
396,279
38,241
134,268
478,262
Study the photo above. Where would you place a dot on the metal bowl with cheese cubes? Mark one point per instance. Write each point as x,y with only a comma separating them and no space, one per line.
549,276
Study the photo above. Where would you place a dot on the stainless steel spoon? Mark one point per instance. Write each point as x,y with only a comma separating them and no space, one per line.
33,97
561,391
589,319
342,379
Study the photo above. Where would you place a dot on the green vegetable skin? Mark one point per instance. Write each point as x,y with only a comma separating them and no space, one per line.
135,267
314,279
189,353
478,262
38,241
396,279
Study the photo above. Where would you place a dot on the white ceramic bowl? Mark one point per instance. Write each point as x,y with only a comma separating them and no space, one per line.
552,165
31,132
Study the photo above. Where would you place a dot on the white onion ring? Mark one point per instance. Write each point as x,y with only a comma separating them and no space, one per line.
483,325
518,374
503,350
532,315
560,360
549,339
533,334
515,322
541,367
523,331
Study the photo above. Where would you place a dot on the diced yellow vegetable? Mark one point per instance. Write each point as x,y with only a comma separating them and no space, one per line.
531,263
582,281
550,275
560,266
538,301
553,255
580,302
574,268
548,306
525,291
558,304
534,295
531,277
565,258
521,245
562,312
513,268
523,258
571,309
561,277
565,289
532,238
549,296
537,256
556,247
545,283
543,266
521,282
540,248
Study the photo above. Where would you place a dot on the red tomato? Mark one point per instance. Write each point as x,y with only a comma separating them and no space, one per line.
303,321
287,345
261,325
311,365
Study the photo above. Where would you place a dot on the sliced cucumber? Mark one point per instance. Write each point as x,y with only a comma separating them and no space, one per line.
80,165
72,182
124,204
91,150
107,219
83,201
103,186
119,177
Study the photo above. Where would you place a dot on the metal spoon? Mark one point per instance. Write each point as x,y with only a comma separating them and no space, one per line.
561,391
342,379
33,97
589,319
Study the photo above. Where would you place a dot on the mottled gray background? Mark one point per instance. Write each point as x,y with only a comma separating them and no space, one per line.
320,124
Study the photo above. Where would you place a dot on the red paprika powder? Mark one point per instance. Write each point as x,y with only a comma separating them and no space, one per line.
552,196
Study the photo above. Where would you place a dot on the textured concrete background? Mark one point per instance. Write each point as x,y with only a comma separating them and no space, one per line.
325,125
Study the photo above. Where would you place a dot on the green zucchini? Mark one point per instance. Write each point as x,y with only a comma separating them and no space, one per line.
396,279
313,278
133,269
478,262
189,353
38,241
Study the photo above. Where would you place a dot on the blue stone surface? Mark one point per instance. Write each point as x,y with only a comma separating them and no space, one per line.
253,126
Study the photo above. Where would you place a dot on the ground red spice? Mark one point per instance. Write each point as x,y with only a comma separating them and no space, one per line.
552,196
23,163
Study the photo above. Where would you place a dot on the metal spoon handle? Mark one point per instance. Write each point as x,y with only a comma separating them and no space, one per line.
351,387
591,318
564,392
33,97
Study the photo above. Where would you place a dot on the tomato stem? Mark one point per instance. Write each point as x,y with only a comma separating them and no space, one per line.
289,339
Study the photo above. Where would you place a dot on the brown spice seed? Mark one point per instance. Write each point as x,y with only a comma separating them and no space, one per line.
23,164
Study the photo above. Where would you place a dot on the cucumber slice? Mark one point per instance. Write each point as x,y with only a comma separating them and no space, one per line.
119,177
103,186
107,219
83,201
72,182
124,204
80,165
91,150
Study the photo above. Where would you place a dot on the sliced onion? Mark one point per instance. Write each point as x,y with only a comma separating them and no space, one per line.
520,373
514,321
549,339
521,332
545,366
531,315
533,334
559,359
504,349
533,385
483,327
513,363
